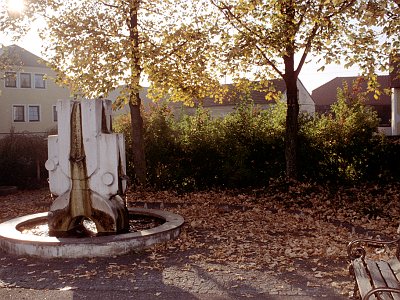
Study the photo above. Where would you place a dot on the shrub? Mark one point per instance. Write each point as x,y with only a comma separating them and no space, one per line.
163,153
341,145
253,141
22,159
201,144
246,147
122,124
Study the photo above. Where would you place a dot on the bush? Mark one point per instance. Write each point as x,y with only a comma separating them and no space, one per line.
246,148
22,159
122,124
384,165
253,141
200,140
197,152
342,146
163,153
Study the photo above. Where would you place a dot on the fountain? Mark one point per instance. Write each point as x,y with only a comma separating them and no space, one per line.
87,180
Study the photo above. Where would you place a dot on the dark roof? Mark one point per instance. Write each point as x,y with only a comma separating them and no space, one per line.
234,95
21,57
326,94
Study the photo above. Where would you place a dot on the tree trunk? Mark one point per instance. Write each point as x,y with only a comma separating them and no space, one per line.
139,159
292,129
290,77
292,118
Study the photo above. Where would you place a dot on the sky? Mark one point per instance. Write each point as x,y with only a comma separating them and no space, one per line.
308,75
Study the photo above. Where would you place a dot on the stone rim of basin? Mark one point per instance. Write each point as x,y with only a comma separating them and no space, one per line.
14,242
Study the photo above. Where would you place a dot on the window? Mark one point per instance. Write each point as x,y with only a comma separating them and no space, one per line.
34,113
40,83
25,80
18,113
55,116
11,79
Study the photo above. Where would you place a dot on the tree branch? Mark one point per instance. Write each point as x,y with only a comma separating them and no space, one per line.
226,10
308,44
307,48
108,5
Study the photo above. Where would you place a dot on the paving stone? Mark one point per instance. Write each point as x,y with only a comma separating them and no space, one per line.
126,278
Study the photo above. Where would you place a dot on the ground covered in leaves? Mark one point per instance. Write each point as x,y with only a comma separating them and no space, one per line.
296,232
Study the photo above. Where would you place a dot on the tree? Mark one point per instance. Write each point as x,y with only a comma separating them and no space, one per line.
378,28
3,60
96,46
275,38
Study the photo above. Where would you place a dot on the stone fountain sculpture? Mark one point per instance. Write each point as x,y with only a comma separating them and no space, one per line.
87,170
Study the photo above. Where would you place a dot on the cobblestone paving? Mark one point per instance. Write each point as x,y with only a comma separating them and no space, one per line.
136,276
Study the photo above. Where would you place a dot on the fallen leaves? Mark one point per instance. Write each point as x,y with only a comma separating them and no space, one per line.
23,203
273,231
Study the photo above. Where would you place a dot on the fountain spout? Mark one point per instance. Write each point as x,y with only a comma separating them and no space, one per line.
87,170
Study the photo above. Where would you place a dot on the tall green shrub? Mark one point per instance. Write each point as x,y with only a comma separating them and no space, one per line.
243,149
201,142
246,147
254,144
22,159
163,152
342,143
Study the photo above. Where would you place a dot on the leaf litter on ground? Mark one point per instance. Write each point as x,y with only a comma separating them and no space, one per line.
301,230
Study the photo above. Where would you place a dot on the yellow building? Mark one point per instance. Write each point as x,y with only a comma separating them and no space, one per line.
28,95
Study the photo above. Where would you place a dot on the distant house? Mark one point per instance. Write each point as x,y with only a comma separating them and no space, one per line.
325,95
228,104
230,101
27,95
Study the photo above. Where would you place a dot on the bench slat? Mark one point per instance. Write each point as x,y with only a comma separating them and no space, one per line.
377,279
395,266
390,278
362,278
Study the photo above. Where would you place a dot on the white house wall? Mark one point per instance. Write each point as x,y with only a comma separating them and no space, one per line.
307,104
395,111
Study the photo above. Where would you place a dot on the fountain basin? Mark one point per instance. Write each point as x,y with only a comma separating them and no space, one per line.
14,242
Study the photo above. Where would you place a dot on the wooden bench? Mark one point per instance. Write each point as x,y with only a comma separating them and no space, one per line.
375,278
